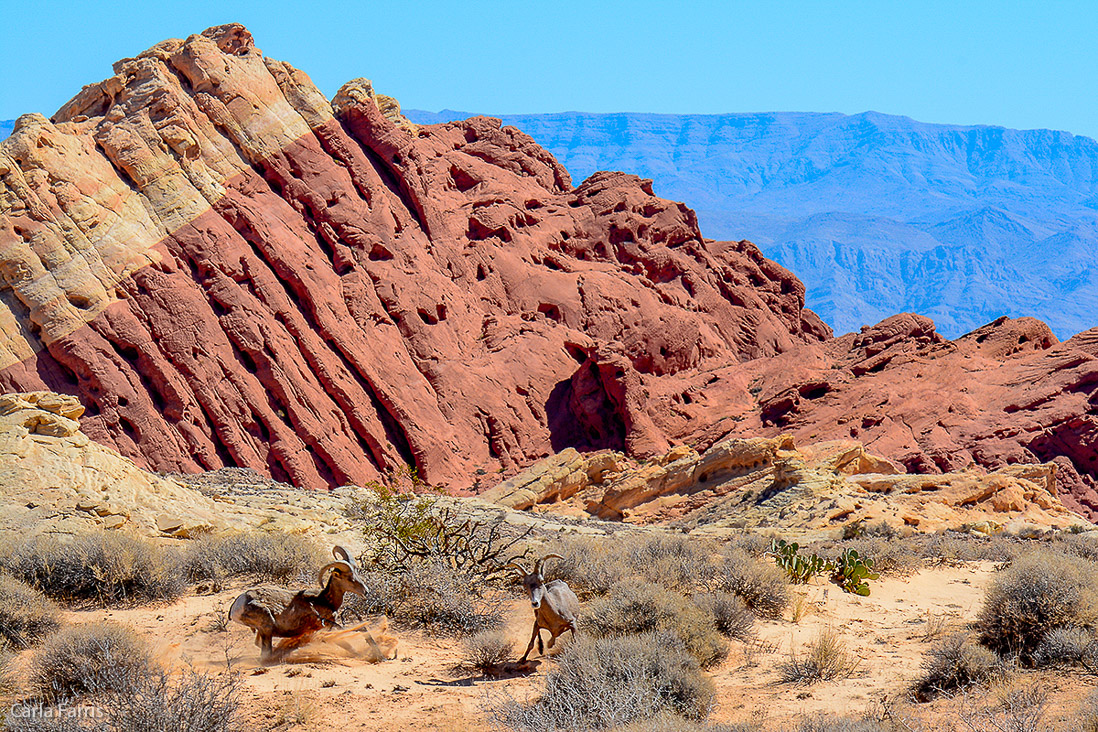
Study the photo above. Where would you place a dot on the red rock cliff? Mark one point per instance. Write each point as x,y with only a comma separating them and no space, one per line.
229,269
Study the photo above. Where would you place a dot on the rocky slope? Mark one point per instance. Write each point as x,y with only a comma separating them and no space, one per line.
877,214
771,483
229,269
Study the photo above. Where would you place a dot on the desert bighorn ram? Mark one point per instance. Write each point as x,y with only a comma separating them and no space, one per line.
555,605
276,612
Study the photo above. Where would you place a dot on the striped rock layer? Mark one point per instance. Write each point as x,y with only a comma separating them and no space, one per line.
228,269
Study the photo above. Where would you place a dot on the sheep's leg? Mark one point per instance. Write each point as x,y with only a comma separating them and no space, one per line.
536,637
264,642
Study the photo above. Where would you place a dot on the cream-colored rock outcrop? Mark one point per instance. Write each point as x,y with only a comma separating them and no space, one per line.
53,479
770,483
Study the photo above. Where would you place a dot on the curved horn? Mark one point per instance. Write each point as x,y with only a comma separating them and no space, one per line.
537,564
341,553
320,577
519,567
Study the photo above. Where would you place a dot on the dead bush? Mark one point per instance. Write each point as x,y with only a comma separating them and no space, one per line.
605,683
428,595
731,615
1067,647
636,606
825,658
86,659
486,650
956,664
26,615
101,567
1038,593
191,702
668,722
761,585
892,555
268,556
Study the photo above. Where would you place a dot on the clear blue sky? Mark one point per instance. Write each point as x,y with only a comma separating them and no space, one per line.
1016,64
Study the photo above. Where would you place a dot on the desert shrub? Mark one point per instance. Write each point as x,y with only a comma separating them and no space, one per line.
407,523
591,566
86,659
825,723
825,658
671,561
604,683
191,702
269,556
428,595
26,615
636,606
668,722
762,586
1038,593
486,650
1067,647
731,616
101,567
955,664
1084,546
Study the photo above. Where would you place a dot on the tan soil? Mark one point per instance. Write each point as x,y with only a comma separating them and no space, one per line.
322,686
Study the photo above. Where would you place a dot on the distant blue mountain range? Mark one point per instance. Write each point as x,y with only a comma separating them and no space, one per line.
876,214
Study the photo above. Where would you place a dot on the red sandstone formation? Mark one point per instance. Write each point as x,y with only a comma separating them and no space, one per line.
229,269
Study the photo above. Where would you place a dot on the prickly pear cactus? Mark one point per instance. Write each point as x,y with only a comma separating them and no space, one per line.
800,568
851,572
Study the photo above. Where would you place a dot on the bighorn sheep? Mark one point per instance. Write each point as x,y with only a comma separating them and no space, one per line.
275,612
555,605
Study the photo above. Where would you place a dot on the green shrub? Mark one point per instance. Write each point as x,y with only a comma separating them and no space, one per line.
101,567
268,556
1040,592
87,659
956,664
759,584
605,683
26,615
636,606
731,616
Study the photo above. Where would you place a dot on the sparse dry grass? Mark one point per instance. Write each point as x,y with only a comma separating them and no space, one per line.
824,659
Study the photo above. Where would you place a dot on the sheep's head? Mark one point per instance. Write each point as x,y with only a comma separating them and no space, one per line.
341,574
534,581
